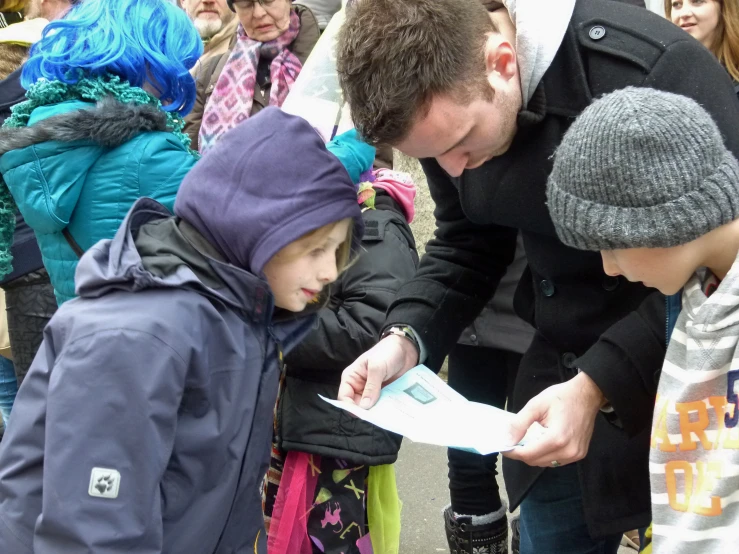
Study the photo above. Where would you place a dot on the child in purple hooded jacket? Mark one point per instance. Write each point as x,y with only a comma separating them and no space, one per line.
145,422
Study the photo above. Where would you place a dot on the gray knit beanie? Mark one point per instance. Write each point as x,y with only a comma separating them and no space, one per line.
641,168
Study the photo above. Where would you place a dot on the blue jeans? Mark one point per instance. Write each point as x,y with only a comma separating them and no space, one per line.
8,388
553,520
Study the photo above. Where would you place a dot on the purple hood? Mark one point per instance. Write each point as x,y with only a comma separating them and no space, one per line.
267,182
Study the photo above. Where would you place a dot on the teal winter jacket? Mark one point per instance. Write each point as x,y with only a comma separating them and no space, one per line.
80,166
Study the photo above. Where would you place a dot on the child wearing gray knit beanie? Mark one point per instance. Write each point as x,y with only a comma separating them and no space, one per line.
644,177
642,168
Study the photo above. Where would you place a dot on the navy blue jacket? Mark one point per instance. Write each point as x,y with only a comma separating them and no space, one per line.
145,422
164,374
25,250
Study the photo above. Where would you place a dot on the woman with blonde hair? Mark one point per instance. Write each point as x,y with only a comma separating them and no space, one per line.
715,23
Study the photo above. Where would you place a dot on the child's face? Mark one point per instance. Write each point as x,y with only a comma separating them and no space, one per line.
665,269
298,272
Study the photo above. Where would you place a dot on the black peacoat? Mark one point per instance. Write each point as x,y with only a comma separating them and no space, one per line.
585,320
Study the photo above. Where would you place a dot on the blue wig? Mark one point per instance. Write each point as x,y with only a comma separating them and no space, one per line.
144,42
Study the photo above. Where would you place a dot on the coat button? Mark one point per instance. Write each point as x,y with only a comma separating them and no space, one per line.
611,283
473,338
547,287
569,360
597,32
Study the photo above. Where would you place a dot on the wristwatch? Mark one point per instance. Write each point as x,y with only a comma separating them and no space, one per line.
402,331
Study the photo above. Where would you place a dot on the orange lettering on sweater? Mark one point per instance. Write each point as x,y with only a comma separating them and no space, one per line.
670,469
697,492
688,426
708,475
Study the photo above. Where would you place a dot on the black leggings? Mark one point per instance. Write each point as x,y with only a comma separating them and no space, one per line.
30,303
483,375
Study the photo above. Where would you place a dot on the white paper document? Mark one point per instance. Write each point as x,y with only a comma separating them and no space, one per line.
423,408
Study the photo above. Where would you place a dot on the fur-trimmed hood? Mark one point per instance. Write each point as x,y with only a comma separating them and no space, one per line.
80,166
109,124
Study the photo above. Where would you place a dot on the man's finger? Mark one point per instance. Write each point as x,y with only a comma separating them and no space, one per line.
533,412
346,391
372,388
541,451
352,383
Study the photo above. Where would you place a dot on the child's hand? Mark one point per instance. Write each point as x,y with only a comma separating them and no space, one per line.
382,364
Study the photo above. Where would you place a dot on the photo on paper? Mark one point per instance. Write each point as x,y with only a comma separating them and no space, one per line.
420,394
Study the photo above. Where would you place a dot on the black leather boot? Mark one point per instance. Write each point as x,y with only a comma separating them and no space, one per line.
465,538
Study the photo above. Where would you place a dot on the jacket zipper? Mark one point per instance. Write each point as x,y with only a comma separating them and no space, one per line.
277,424
280,359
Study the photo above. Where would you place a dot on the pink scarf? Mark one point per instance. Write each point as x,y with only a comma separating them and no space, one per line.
288,531
232,99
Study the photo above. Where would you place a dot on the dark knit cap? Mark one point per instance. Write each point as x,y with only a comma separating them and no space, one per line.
642,168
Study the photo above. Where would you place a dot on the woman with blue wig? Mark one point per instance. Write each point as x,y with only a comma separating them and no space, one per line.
108,86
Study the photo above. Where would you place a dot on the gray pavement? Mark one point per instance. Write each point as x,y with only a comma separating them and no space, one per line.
422,485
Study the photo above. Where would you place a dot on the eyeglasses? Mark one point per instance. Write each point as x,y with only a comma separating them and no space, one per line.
249,4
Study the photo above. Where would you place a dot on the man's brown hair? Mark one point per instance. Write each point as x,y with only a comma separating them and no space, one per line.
394,56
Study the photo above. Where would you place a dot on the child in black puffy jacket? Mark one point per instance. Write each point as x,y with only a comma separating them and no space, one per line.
333,463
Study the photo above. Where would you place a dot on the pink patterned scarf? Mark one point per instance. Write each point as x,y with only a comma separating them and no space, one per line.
232,99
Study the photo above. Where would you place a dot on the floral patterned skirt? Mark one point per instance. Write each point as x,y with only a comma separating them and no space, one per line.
335,519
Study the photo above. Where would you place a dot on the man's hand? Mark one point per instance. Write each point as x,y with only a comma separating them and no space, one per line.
567,412
383,363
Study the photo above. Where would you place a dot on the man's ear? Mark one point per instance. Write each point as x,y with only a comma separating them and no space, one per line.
500,59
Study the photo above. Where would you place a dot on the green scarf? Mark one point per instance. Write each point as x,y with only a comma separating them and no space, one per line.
45,93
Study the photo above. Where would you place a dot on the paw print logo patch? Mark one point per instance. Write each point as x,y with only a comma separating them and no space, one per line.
104,483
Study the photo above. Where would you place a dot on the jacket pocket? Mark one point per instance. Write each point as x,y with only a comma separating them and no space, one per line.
308,424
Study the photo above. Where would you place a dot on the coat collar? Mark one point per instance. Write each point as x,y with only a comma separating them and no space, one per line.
564,89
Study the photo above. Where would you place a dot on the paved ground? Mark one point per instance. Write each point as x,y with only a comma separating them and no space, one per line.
422,485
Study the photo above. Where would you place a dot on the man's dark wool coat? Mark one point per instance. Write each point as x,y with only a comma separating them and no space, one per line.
609,328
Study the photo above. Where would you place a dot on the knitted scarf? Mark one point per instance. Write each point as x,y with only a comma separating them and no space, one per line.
44,93
232,99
